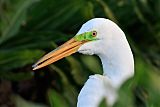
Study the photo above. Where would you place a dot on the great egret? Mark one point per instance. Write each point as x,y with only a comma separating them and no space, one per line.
104,38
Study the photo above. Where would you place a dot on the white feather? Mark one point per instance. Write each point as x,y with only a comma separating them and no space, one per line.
117,60
96,89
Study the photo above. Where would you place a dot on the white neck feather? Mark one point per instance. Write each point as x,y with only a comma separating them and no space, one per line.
112,48
117,60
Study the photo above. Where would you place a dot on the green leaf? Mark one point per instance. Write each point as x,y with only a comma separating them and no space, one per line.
15,17
20,102
69,91
92,63
88,10
55,99
32,40
16,59
76,70
107,10
103,103
16,76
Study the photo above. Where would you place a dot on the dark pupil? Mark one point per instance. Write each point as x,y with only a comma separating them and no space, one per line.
94,33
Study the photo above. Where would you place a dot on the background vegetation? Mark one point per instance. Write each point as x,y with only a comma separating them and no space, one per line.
31,28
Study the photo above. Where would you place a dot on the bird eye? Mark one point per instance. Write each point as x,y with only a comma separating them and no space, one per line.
94,33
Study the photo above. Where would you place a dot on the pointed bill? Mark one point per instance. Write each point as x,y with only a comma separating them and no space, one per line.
66,49
62,51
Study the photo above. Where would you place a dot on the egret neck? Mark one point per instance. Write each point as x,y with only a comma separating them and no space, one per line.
117,59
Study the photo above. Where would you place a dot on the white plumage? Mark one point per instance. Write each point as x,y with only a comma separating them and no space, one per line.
95,90
117,60
104,38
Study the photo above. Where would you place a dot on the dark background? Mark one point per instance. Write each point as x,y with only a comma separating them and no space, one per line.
31,28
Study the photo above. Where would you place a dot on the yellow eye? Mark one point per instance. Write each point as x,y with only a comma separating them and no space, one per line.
94,33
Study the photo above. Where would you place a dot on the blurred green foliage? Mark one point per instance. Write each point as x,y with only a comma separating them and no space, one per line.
31,28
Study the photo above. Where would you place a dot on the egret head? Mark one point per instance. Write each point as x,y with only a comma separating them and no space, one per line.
96,36
104,31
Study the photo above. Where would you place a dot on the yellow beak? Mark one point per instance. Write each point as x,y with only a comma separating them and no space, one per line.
62,51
